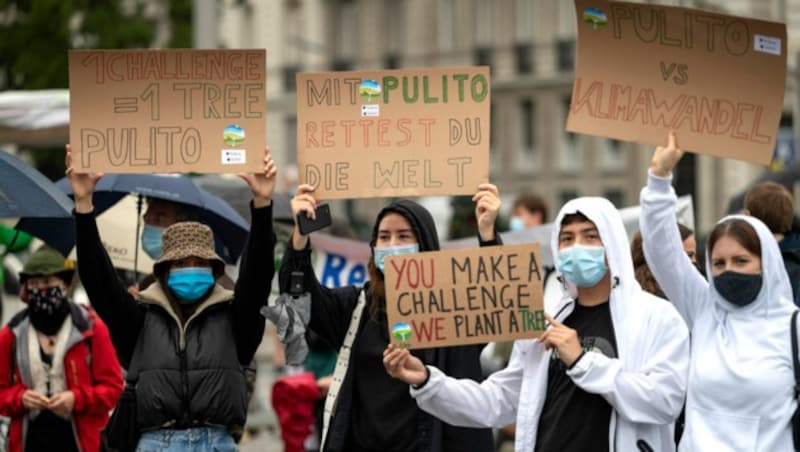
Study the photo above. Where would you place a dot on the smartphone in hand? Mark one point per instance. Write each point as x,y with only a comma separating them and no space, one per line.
323,220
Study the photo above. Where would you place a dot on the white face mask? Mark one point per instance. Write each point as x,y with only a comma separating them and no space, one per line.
381,253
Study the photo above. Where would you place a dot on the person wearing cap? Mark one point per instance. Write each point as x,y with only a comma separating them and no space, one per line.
366,410
186,340
59,373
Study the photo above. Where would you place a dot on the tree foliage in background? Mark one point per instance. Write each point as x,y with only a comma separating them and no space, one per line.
36,35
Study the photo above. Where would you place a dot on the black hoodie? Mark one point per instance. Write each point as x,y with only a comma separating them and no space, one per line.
373,409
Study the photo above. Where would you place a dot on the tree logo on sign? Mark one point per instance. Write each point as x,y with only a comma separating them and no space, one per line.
401,331
369,89
594,17
233,135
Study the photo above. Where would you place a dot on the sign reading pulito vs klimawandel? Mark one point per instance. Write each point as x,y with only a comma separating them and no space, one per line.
145,111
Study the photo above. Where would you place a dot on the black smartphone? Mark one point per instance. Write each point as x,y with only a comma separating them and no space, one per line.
323,220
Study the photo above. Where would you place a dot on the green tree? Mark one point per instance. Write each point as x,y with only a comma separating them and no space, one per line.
37,35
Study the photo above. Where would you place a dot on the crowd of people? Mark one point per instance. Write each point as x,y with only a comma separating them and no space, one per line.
647,347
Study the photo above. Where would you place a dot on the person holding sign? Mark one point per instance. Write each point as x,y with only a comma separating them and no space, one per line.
366,410
608,374
741,383
186,340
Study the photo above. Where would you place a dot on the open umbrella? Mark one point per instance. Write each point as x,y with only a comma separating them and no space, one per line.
25,192
230,229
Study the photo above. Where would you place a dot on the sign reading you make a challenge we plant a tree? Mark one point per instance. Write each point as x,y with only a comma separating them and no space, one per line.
145,111
394,133
644,69
467,296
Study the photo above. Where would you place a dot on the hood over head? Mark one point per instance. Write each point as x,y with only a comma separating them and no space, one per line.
420,219
775,296
609,224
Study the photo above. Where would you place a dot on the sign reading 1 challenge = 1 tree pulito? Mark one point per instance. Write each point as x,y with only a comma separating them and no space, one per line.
644,69
468,296
394,133
145,111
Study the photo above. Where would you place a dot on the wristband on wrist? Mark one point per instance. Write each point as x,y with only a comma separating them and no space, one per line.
425,381
583,352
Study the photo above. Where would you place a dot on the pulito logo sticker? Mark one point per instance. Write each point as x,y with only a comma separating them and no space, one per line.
233,135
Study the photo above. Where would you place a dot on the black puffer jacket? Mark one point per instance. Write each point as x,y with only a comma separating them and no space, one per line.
331,311
189,373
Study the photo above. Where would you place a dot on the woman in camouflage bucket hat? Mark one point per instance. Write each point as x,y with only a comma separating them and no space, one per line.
186,340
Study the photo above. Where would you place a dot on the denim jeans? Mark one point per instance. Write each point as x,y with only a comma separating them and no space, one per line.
205,439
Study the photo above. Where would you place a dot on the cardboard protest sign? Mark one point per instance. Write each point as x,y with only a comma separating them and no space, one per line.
644,69
394,133
467,296
145,111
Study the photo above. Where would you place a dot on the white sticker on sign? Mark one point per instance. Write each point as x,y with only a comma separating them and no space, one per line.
371,110
233,157
767,44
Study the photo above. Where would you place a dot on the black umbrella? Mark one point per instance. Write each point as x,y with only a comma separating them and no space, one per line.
25,192
230,229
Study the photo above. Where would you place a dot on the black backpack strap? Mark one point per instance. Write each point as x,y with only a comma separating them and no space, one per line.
795,363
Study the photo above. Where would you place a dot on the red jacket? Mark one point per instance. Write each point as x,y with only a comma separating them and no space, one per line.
92,373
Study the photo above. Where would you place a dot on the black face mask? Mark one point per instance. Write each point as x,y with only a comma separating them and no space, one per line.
740,289
47,309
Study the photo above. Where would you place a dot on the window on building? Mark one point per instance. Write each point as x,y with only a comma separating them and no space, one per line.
394,16
446,24
346,35
616,196
391,61
291,138
483,56
612,155
567,195
570,158
566,55
523,54
527,116
289,79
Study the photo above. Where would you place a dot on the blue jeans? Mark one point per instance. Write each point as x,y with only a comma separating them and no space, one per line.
210,439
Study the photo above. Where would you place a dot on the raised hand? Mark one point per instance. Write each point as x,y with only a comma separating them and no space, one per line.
562,338
262,184
83,184
303,203
665,158
487,206
402,365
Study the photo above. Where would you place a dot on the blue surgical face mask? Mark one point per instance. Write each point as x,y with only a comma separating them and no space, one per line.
583,265
151,240
381,253
189,284
516,224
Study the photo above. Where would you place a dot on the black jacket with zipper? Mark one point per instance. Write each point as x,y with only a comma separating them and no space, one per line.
189,373
331,311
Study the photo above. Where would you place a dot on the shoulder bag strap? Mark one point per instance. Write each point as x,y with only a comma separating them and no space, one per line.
342,362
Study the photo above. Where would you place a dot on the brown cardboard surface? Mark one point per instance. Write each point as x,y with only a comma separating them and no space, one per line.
145,111
408,132
644,69
466,296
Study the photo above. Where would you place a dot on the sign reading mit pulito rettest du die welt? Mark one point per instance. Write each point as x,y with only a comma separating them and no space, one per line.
145,111
411,132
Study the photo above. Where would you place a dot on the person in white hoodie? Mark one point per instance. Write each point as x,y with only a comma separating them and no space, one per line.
740,395
610,372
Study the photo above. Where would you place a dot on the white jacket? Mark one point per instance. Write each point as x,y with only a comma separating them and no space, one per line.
645,385
740,379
